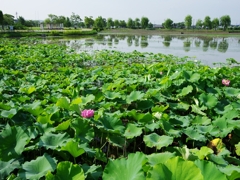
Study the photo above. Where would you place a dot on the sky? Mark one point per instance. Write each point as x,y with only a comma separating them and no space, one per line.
157,11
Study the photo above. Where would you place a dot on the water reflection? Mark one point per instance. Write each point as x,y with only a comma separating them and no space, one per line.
209,49
223,46
167,40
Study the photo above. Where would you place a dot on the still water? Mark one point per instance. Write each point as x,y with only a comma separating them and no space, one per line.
207,49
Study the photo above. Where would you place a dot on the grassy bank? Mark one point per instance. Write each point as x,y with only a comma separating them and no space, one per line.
46,33
164,31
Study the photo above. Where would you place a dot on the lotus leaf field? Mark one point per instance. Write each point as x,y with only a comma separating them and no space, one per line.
115,115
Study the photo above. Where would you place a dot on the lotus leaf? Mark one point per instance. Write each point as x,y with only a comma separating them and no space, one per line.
175,169
210,170
154,140
13,140
130,168
38,168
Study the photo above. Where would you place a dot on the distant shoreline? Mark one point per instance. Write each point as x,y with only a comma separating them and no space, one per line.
170,32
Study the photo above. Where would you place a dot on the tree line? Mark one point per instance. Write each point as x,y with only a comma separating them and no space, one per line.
101,23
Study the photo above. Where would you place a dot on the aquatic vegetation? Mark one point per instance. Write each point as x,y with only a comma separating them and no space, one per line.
65,115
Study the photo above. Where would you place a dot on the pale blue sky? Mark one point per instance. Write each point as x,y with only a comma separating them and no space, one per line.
156,10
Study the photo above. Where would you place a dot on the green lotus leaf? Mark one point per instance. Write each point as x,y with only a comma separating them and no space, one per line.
145,104
144,118
209,170
218,160
13,140
8,113
73,148
193,134
157,158
231,92
154,140
34,108
208,100
63,126
44,118
53,141
63,102
130,168
169,129
83,130
201,120
232,171
99,155
175,169
132,131
134,96
92,172
87,99
7,167
185,91
203,152
112,124
197,110
237,146
115,140
112,95
194,77
159,108
38,168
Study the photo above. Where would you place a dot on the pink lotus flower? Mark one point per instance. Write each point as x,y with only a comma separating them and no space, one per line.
226,82
161,72
87,113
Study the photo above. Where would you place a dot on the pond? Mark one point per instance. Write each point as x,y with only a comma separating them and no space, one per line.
207,49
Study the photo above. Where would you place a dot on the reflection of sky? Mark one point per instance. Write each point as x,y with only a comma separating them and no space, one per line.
207,51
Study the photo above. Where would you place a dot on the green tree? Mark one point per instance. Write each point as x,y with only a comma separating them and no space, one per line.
99,23
116,23
110,23
168,24
130,23
21,20
199,23
75,20
1,18
207,22
144,22
67,22
8,19
188,21
122,24
137,23
88,21
215,23
225,21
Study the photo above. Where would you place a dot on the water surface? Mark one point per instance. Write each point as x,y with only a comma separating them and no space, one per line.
207,49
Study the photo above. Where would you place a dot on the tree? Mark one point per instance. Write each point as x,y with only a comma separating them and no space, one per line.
21,20
215,23
53,18
1,18
122,24
225,21
144,22
110,23
99,23
67,22
207,22
199,23
75,20
88,21
116,23
8,19
137,23
168,23
188,21
130,23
